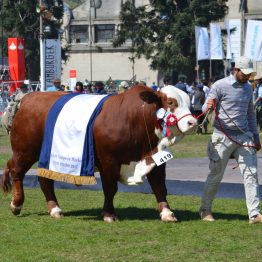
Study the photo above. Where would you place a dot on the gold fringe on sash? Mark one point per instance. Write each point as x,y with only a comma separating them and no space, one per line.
77,180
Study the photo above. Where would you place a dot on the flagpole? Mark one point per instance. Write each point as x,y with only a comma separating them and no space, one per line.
210,68
197,65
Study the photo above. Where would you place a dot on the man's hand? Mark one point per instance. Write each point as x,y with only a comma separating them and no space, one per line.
211,103
258,146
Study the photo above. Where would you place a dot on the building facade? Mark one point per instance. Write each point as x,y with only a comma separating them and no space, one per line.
89,29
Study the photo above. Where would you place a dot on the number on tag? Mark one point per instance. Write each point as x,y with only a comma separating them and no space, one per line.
162,157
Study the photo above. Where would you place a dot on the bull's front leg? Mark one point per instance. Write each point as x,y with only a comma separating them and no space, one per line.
156,179
141,170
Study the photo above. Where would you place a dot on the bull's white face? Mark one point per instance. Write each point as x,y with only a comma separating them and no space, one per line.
178,102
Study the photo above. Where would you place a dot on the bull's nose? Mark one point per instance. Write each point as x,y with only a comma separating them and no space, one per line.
192,123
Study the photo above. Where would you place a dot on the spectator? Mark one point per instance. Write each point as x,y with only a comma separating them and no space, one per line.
166,81
206,89
258,101
123,87
197,102
79,88
56,86
154,86
142,83
100,88
89,88
235,136
181,85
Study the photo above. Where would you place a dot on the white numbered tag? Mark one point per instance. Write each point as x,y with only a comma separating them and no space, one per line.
161,157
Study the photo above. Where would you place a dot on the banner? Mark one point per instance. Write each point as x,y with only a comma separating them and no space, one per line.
72,76
216,50
202,43
253,43
229,50
16,62
235,37
52,61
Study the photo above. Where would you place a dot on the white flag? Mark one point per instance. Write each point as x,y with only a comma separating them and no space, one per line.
202,43
52,54
216,50
253,41
229,50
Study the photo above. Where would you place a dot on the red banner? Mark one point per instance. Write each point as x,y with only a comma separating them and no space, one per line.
16,62
72,73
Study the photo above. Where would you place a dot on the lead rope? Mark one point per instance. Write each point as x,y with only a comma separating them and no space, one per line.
205,119
230,138
143,106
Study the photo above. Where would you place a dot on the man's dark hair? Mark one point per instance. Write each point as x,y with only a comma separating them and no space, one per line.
166,80
99,84
79,84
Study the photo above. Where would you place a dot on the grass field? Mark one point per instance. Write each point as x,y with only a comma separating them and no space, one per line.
139,235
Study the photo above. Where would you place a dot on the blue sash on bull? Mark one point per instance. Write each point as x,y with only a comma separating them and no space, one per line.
67,152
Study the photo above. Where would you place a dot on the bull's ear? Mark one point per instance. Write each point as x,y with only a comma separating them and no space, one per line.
150,97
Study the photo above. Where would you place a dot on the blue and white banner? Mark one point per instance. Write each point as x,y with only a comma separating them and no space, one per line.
216,50
253,43
202,43
67,152
229,49
235,37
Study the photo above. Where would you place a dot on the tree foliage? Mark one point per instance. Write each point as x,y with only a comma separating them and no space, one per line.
19,18
163,31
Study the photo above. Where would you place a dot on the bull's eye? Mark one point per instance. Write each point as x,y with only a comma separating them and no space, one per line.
172,104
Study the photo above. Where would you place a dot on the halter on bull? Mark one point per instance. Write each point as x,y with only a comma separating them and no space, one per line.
120,138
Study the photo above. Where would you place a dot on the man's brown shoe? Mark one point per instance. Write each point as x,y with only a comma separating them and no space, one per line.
206,216
256,219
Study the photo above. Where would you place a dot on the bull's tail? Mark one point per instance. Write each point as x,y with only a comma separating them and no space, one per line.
6,183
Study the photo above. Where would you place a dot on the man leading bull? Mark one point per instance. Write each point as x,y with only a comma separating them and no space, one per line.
235,134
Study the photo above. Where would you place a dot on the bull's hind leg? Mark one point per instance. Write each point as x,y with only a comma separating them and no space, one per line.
156,179
47,186
17,172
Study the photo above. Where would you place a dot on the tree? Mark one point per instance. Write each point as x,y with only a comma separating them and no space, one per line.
163,31
20,19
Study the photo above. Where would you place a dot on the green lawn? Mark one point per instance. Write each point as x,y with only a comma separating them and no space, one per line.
139,235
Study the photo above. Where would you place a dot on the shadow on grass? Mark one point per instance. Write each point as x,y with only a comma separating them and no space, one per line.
184,215
133,213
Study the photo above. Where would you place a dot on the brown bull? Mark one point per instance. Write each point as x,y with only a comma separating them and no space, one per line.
124,131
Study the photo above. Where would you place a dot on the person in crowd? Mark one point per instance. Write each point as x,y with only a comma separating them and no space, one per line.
235,134
56,86
100,88
198,101
123,87
181,85
258,101
89,88
79,88
154,86
206,89
142,83
166,81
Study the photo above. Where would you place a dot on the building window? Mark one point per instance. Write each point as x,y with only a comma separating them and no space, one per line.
104,33
79,34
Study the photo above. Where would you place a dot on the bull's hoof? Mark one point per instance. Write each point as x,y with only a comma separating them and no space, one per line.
130,181
110,218
167,215
15,210
56,212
